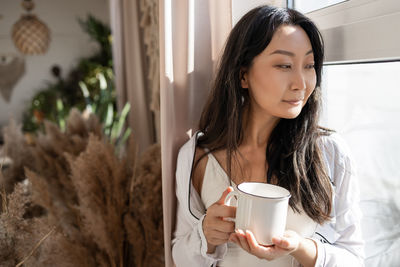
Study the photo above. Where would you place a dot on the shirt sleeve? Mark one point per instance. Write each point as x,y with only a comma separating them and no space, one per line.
339,242
190,248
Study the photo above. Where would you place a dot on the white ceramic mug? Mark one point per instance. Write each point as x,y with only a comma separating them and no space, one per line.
262,209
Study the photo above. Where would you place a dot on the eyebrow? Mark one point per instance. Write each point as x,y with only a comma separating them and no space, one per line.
288,53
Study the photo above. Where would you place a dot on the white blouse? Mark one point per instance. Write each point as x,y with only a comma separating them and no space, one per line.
339,241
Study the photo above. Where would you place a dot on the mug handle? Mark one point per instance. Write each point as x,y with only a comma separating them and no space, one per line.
228,202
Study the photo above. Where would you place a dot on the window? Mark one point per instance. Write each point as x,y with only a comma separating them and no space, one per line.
361,89
306,6
362,103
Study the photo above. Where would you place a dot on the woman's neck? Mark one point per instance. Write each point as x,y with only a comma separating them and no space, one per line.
257,128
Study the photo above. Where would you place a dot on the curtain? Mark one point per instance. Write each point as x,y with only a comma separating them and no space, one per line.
149,24
130,78
192,34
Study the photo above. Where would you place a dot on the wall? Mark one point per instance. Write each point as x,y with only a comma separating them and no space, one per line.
69,43
240,7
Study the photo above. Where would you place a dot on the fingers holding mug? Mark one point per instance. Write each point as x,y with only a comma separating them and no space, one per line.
224,195
216,225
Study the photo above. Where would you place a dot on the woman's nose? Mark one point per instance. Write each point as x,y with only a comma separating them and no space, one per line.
298,81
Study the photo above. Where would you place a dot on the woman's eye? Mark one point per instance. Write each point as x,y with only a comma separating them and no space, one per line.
283,66
310,66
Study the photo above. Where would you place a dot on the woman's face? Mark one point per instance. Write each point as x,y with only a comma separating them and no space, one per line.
282,77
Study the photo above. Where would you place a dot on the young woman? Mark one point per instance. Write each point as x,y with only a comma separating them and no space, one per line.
261,124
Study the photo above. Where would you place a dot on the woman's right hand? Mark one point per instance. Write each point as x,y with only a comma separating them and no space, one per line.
217,229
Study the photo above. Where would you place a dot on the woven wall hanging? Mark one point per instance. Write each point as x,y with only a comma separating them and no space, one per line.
30,35
12,68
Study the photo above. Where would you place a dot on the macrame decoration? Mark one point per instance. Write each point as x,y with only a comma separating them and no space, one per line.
149,24
30,35
12,67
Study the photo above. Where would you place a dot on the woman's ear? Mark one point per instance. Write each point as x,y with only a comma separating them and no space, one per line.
244,79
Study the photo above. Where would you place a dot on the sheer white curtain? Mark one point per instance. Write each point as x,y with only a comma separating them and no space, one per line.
192,34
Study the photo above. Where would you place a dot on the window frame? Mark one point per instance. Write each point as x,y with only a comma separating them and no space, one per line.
358,31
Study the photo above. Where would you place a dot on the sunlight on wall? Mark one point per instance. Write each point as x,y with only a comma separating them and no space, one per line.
169,70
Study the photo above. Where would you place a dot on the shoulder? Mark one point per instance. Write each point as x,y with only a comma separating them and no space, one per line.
337,156
191,162
334,146
187,152
184,163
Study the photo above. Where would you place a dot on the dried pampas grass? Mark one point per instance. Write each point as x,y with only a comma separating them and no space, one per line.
44,161
34,241
81,205
144,222
101,183
45,153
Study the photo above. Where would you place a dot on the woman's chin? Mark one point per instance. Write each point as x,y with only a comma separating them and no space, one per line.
290,115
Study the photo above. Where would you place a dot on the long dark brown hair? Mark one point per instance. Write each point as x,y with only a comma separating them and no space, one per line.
293,153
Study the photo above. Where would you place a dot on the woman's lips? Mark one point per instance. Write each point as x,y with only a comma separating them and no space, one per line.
294,102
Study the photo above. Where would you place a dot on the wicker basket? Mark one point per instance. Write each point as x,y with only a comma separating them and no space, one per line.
30,35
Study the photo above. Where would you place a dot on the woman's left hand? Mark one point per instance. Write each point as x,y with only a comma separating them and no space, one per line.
282,246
